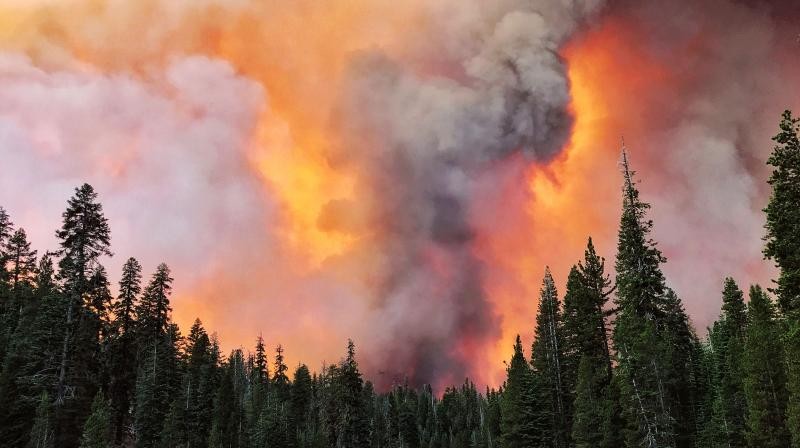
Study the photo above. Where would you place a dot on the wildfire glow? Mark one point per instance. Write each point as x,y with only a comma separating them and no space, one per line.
319,206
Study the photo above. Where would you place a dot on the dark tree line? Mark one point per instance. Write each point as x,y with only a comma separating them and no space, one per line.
615,362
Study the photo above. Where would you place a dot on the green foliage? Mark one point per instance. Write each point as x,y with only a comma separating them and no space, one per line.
96,431
548,360
524,421
764,376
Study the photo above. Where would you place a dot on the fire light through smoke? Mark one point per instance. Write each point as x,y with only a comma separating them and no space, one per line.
395,172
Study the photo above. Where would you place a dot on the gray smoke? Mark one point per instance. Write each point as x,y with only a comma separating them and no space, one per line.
420,140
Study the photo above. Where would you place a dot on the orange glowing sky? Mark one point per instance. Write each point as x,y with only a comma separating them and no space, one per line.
298,53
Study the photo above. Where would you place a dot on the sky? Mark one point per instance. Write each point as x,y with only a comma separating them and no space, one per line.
399,173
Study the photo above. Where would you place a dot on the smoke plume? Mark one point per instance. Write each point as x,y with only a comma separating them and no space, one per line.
395,172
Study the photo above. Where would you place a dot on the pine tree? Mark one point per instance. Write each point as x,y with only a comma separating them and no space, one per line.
84,237
644,356
727,343
156,376
123,349
548,362
29,369
200,382
280,380
783,246
596,413
299,405
351,425
6,230
523,422
97,430
764,377
20,259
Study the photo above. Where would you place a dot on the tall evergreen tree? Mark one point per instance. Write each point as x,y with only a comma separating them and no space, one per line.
123,349
548,356
156,373
596,413
783,246
84,237
524,422
351,427
645,355
764,376
727,343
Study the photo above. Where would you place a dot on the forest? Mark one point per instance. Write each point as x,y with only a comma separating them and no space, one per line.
616,361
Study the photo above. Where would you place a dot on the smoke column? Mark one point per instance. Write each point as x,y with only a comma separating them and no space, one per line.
395,172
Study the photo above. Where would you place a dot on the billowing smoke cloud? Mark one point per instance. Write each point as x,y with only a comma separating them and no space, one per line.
393,171
421,142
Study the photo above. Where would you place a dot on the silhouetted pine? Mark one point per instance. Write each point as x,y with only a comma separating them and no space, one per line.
524,421
122,349
596,412
157,373
548,360
649,380
83,238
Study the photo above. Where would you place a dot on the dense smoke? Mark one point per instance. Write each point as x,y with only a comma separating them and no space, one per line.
420,142
395,172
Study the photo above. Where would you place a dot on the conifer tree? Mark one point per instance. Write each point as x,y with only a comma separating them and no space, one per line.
156,373
84,237
123,349
20,259
97,430
351,426
728,350
764,376
6,230
548,362
299,405
280,380
783,246
596,412
524,422
644,355
199,385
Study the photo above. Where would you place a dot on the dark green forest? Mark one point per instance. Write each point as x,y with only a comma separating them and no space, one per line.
615,362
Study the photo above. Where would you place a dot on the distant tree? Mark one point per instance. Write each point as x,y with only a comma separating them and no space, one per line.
20,259
280,380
